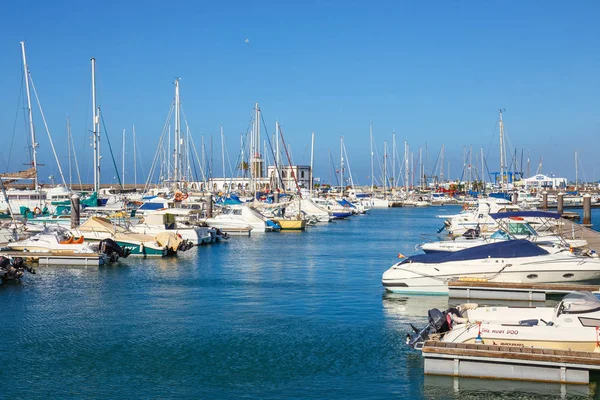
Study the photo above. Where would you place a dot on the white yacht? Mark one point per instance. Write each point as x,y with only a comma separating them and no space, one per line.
506,261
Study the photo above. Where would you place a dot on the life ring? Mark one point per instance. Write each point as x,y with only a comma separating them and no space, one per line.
37,211
178,196
185,196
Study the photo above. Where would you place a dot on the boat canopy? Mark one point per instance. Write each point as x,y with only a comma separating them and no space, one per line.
525,214
579,302
507,249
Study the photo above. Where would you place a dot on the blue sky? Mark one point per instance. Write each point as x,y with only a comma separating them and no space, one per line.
435,72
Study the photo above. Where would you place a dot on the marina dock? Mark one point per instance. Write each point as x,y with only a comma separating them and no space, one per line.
45,259
482,290
505,362
572,230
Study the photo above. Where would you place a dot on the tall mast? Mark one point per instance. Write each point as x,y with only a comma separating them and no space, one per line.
98,116
312,157
223,151
342,165
482,170
393,159
406,167
371,144
134,160
277,160
177,133
123,166
576,173
384,169
95,127
420,182
501,151
442,166
30,115
69,143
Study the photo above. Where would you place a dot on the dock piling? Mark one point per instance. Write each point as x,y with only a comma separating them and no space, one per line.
545,200
587,209
209,206
276,196
515,198
75,211
560,206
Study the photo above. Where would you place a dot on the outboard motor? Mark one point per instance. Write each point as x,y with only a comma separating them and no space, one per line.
438,323
113,250
13,268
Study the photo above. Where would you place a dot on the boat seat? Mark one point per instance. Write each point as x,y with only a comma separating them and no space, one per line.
528,322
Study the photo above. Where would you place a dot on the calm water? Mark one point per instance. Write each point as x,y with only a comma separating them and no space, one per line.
280,315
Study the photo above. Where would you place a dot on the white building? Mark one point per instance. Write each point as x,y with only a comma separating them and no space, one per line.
302,174
541,181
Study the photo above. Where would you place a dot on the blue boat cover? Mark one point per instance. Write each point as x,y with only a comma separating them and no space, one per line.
523,214
507,249
151,206
346,203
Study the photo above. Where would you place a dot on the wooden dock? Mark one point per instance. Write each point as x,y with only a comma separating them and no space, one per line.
512,363
47,258
570,230
483,290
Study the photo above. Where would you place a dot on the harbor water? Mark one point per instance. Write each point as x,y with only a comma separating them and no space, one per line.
279,315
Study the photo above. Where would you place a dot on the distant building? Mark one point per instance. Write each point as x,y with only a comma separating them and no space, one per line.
541,181
300,172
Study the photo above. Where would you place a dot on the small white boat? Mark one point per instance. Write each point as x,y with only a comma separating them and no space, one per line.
571,325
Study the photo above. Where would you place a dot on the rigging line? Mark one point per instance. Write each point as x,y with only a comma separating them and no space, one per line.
112,156
290,162
157,154
12,139
337,181
190,137
272,150
48,132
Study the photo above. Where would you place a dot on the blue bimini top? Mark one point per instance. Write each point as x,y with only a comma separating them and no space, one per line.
505,249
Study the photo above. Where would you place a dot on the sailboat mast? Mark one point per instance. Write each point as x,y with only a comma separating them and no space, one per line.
385,169
95,126
442,166
134,160
312,158
371,144
342,165
576,173
123,163
30,117
223,150
406,165
69,140
501,151
177,133
393,159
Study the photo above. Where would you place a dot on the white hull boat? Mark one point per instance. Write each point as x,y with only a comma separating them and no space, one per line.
508,261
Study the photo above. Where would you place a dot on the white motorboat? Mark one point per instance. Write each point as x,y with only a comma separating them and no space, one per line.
158,222
512,226
572,325
239,216
507,261
53,241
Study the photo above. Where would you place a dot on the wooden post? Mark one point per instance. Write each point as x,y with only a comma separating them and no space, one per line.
587,209
75,211
545,200
515,198
209,206
276,196
560,206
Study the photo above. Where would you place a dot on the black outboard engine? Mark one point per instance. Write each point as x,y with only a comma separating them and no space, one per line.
185,245
112,250
438,323
13,268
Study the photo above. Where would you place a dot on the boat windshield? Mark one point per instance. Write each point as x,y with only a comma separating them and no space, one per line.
500,234
520,228
579,302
